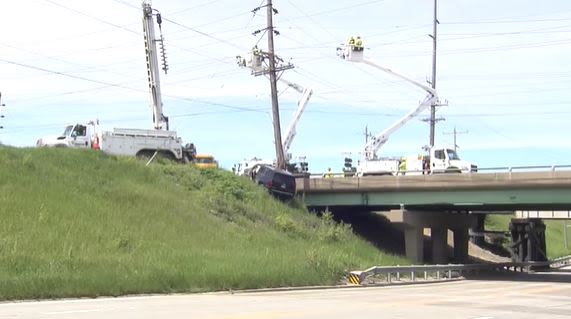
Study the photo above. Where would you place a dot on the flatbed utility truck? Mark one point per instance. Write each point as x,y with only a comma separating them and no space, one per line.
131,141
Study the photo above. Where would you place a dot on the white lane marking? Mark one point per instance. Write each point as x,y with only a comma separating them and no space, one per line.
77,311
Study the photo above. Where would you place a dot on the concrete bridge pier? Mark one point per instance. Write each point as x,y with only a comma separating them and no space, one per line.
461,239
439,236
414,223
414,243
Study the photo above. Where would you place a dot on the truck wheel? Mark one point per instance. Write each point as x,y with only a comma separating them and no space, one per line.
145,155
453,170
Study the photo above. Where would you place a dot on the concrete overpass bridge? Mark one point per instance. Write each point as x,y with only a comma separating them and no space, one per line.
448,202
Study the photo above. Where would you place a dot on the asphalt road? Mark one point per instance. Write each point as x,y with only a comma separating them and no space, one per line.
533,296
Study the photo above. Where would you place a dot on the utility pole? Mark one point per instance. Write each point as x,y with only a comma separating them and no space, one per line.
1,109
455,132
272,69
433,119
280,157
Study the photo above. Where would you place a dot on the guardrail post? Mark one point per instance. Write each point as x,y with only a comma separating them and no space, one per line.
412,274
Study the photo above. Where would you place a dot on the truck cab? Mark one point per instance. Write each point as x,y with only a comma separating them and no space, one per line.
75,135
446,160
205,161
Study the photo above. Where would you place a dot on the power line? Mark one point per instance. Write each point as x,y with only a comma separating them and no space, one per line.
506,21
204,34
93,17
77,77
190,8
356,5
123,86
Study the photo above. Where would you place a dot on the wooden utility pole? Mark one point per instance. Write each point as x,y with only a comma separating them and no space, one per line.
455,135
433,106
1,109
280,158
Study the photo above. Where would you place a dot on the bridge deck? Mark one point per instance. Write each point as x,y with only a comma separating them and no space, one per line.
492,191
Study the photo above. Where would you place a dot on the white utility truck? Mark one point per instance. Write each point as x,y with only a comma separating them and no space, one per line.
129,141
122,141
434,160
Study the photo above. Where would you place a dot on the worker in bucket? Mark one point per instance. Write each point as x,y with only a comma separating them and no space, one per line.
351,41
358,44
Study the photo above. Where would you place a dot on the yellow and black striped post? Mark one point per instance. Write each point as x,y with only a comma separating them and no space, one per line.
354,277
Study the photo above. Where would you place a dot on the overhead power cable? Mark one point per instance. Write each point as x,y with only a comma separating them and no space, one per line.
338,9
77,77
505,21
204,34
126,87
93,17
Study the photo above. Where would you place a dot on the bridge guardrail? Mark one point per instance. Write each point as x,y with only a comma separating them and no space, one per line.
561,262
427,273
498,169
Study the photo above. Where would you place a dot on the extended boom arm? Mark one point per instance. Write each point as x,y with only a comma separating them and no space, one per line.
301,104
159,120
349,53
380,139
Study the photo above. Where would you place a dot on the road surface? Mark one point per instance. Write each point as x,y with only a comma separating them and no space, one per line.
536,296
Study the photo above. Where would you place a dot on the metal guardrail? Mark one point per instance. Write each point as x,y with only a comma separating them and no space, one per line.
561,262
431,273
498,169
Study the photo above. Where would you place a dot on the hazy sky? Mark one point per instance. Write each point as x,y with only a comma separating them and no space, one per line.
503,66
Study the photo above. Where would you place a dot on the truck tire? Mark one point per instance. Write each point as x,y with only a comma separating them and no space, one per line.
453,170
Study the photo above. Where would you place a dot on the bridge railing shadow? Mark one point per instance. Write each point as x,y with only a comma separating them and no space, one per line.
552,275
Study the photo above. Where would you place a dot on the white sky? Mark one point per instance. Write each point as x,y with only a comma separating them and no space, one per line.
502,65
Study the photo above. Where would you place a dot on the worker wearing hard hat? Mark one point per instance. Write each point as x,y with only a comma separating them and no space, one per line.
329,173
351,41
358,44
402,166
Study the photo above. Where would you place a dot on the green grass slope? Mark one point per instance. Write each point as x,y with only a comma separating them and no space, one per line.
79,223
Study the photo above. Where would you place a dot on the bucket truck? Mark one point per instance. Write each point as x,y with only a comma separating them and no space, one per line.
438,159
128,141
254,61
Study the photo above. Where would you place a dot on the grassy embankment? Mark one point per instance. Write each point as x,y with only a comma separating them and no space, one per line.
80,223
553,233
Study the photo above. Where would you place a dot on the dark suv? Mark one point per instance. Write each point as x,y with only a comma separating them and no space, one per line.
279,183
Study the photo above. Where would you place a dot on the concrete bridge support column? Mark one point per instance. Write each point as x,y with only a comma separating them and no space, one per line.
461,239
414,243
439,237
414,223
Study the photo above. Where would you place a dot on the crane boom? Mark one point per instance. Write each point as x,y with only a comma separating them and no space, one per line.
301,104
349,53
380,139
426,88
159,120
